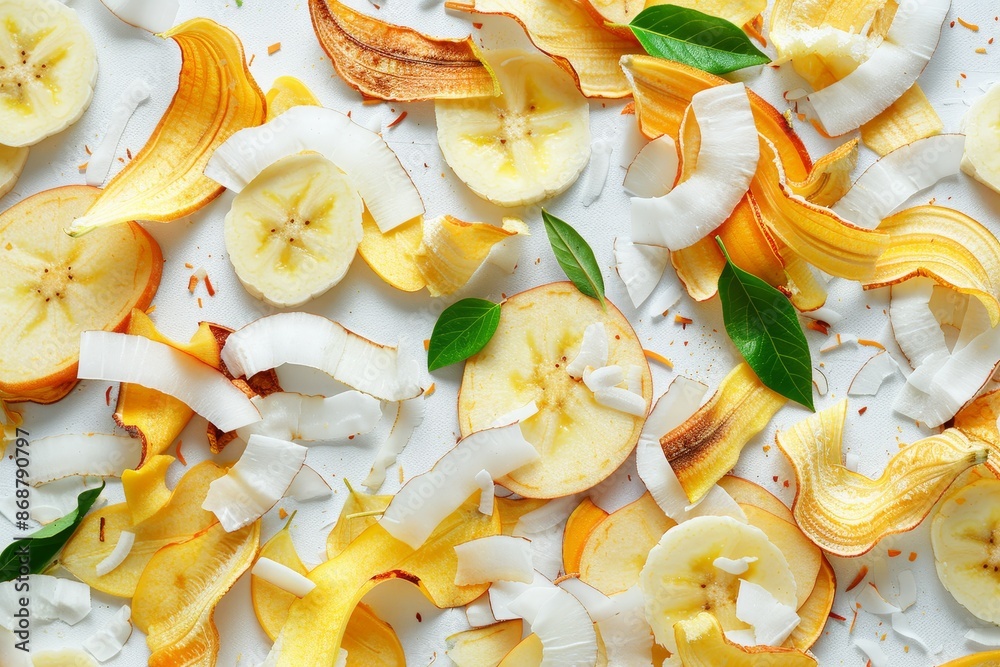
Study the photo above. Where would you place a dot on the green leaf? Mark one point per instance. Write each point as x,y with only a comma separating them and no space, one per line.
575,257
42,546
691,37
763,325
463,329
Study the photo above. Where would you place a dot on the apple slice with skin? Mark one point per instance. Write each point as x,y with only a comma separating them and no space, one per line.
56,287
804,557
579,526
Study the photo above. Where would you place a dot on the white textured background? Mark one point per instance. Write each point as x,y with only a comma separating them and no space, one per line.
366,305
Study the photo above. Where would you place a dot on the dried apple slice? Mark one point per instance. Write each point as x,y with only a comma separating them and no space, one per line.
616,549
484,647
701,643
96,282
943,244
316,623
579,527
216,96
539,334
845,513
153,417
566,31
369,640
804,558
180,519
11,165
146,489
176,595
707,446
391,62
815,612
390,254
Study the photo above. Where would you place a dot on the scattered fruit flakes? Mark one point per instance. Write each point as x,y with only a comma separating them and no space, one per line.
477,26
913,556
274,48
101,535
683,321
208,286
894,552
282,514
965,24
629,109
430,390
858,578
981,50
871,343
820,326
180,456
427,343
107,396
399,119
862,410
837,616
253,56
659,358
188,265
192,284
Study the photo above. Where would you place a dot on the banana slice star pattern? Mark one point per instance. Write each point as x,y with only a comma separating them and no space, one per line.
581,442
528,144
48,68
982,139
965,534
680,580
292,233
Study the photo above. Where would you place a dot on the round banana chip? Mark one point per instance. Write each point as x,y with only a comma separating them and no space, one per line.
292,233
680,579
528,144
48,68
580,441
56,286
966,537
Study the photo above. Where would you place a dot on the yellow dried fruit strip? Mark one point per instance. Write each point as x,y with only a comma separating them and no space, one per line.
315,627
360,511
451,250
153,417
287,92
390,254
846,513
943,244
391,62
814,232
574,39
179,520
830,178
579,526
512,509
370,641
708,444
701,643
216,96
175,599
146,489
663,90
910,118
978,420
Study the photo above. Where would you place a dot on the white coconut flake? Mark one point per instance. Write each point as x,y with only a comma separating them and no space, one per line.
283,577
869,379
108,642
593,350
916,330
52,599
88,454
291,416
907,590
741,637
50,501
734,566
487,492
116,357
914,400
654,169
502,593
727,161
597,175
901,626
633,379
103,155
622,400
825,314
427,499
308,485
899,175
661,303
156,16
255,483
598,605
547,516
494,558
872,651
506,254
852,461
984,636
409,415
363,155
891,70
873,603
604,377
561,623
640,267
479,613
118,555
772,621
627,637
309,340
975,322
